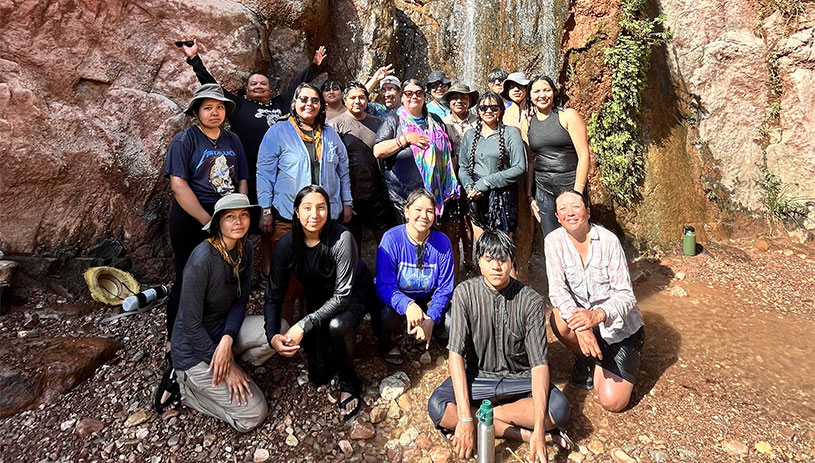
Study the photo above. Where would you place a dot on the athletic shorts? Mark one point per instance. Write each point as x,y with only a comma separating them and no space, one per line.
622,358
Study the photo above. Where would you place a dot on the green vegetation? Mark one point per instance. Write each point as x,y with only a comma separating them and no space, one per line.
614,131
779,203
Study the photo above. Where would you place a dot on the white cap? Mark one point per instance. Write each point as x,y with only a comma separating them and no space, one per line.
390,80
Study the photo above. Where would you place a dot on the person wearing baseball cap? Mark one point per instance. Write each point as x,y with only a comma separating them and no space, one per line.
437,86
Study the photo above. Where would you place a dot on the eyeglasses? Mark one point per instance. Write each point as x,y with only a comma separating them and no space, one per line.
489,108
412,93
306,100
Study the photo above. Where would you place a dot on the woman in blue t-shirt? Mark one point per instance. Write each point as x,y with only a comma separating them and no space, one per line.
204,163
414,276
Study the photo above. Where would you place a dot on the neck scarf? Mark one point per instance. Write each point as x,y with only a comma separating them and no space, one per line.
434,163
316,139
221,248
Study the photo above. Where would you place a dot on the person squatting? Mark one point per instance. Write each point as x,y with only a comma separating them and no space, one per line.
450,183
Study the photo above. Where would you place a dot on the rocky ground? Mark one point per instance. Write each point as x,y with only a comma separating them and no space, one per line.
726,376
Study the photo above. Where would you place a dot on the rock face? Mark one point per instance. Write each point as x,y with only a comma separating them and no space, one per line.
36,371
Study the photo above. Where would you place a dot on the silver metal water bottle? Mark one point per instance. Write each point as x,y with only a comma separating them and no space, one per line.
486,433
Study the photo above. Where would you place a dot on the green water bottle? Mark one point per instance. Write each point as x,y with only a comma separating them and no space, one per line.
486,433
689,241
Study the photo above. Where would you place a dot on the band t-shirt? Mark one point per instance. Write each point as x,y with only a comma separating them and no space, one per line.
212,170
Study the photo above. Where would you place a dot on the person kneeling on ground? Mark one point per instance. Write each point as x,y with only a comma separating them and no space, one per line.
499,333
596,314
321,254
211,325
414,277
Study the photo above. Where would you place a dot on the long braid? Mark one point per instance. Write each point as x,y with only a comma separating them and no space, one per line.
476,137
502,149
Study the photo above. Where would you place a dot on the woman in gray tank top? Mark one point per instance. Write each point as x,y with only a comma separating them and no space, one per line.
560,149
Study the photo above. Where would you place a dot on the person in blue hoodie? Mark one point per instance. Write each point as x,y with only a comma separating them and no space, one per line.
414,277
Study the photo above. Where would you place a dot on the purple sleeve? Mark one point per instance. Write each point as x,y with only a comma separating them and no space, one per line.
387,263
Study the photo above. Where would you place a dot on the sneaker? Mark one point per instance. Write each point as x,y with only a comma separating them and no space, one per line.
583,372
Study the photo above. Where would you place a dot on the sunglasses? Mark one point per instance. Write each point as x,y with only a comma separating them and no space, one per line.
420,255
489,107
496,82
412,93
184,43
305,99
436,85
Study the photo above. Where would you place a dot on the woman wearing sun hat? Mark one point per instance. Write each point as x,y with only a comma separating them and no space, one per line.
212,327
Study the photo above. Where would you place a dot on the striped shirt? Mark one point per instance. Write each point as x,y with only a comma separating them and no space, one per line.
602,284
499,333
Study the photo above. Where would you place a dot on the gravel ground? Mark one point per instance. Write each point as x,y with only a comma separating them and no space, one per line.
723,379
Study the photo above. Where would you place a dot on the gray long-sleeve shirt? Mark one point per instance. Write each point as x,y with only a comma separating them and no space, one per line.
486,160
212,304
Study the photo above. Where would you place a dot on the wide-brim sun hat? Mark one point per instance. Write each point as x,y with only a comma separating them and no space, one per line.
229,202
213,91
516,77
437,76
110,285
390,80
458,87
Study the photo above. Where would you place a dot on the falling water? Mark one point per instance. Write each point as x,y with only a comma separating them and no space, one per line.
513,34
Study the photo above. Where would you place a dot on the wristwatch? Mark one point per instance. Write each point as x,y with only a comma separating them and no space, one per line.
267,211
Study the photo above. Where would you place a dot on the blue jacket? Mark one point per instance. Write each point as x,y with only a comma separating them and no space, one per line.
284,169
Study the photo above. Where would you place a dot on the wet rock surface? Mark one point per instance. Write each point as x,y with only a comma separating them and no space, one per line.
702,393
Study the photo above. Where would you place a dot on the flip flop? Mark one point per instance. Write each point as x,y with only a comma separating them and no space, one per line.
347,401
559,437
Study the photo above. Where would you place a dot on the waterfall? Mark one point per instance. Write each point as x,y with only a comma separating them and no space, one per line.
513,34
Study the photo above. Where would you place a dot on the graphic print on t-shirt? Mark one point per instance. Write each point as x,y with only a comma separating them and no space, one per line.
271,115
219,165
412,279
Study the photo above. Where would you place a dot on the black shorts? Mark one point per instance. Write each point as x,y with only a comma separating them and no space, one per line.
498,391
477,210
374,214
622,358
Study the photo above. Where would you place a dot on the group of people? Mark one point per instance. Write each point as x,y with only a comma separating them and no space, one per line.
432,168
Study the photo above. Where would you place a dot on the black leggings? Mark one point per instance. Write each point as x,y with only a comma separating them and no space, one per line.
185,235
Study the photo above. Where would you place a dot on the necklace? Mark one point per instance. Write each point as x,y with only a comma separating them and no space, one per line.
214,141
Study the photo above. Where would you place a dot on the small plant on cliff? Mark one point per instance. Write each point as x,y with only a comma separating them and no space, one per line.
779,203
614,131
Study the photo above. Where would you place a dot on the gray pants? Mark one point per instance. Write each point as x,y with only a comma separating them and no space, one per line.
196,383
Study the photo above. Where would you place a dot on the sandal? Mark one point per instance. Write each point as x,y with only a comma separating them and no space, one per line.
559,438
168,392
353,396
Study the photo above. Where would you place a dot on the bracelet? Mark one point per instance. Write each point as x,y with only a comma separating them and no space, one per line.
465,420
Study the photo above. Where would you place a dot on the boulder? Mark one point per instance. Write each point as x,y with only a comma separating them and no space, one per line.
37,371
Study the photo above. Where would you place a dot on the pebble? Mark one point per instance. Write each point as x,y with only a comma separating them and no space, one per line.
291,441
788,252
142,433
679,276
576,457
735,447
361,431
425,358
67,424
621,457
765,448
302,379
440,455
393,410
596,447
260,455
378,415
404,403
346,447
88,426
407,437
761,245
277,393
394,385
440,360
423,442
678,291
208,439
170,414
173,440
137,418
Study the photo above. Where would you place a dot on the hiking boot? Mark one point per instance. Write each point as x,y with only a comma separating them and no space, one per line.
583,372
